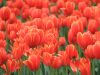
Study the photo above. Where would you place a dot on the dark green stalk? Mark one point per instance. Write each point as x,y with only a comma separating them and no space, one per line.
92,67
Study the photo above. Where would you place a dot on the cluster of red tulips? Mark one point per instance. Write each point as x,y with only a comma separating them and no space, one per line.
49,37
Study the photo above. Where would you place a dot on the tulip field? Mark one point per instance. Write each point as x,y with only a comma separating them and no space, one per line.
49,37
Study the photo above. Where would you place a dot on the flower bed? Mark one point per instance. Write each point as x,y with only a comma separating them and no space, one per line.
49,37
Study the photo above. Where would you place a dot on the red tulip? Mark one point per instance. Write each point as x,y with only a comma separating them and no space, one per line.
25,13
54,0
38,3
97,50
88,12
73,65
5,13
3,56
93,25
31,3
2,35
2,25
12,19
56,62
16,11
84,39
12,35
64,57
71,37
69,7
2,43
96,1
45,4
84,66
35,13
84,21
69,20
97,11
62,41
49,24
71,51
0,1
50,48
47,58
32,38
76,27
50,38
89,51
77,13
82,6
19,49
60,3
10,4
55,20
97,36
12,65
33,62
53,9
18,3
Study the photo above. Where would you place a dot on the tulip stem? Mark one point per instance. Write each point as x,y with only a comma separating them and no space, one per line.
42,68
92,67
56,72
8,72
66,70
19,72
70,70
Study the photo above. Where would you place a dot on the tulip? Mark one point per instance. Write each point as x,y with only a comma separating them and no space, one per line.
88,12
82,6
5,13
93,25
0,1
2,35
47,58
69,7
12,65
62,41
89,52
60,3
69,20
56,62
64,57
54,9
84,39
3,56
97,36
97,50
84,66
33,62
2,25
71,51
76,27
19,49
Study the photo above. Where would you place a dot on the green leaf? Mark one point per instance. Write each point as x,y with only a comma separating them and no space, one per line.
1,71
3,3
70,70
78,72
42,68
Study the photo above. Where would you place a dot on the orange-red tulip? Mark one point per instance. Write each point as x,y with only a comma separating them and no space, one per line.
71,51
84,39
47,58
3,56
56,62
33,62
